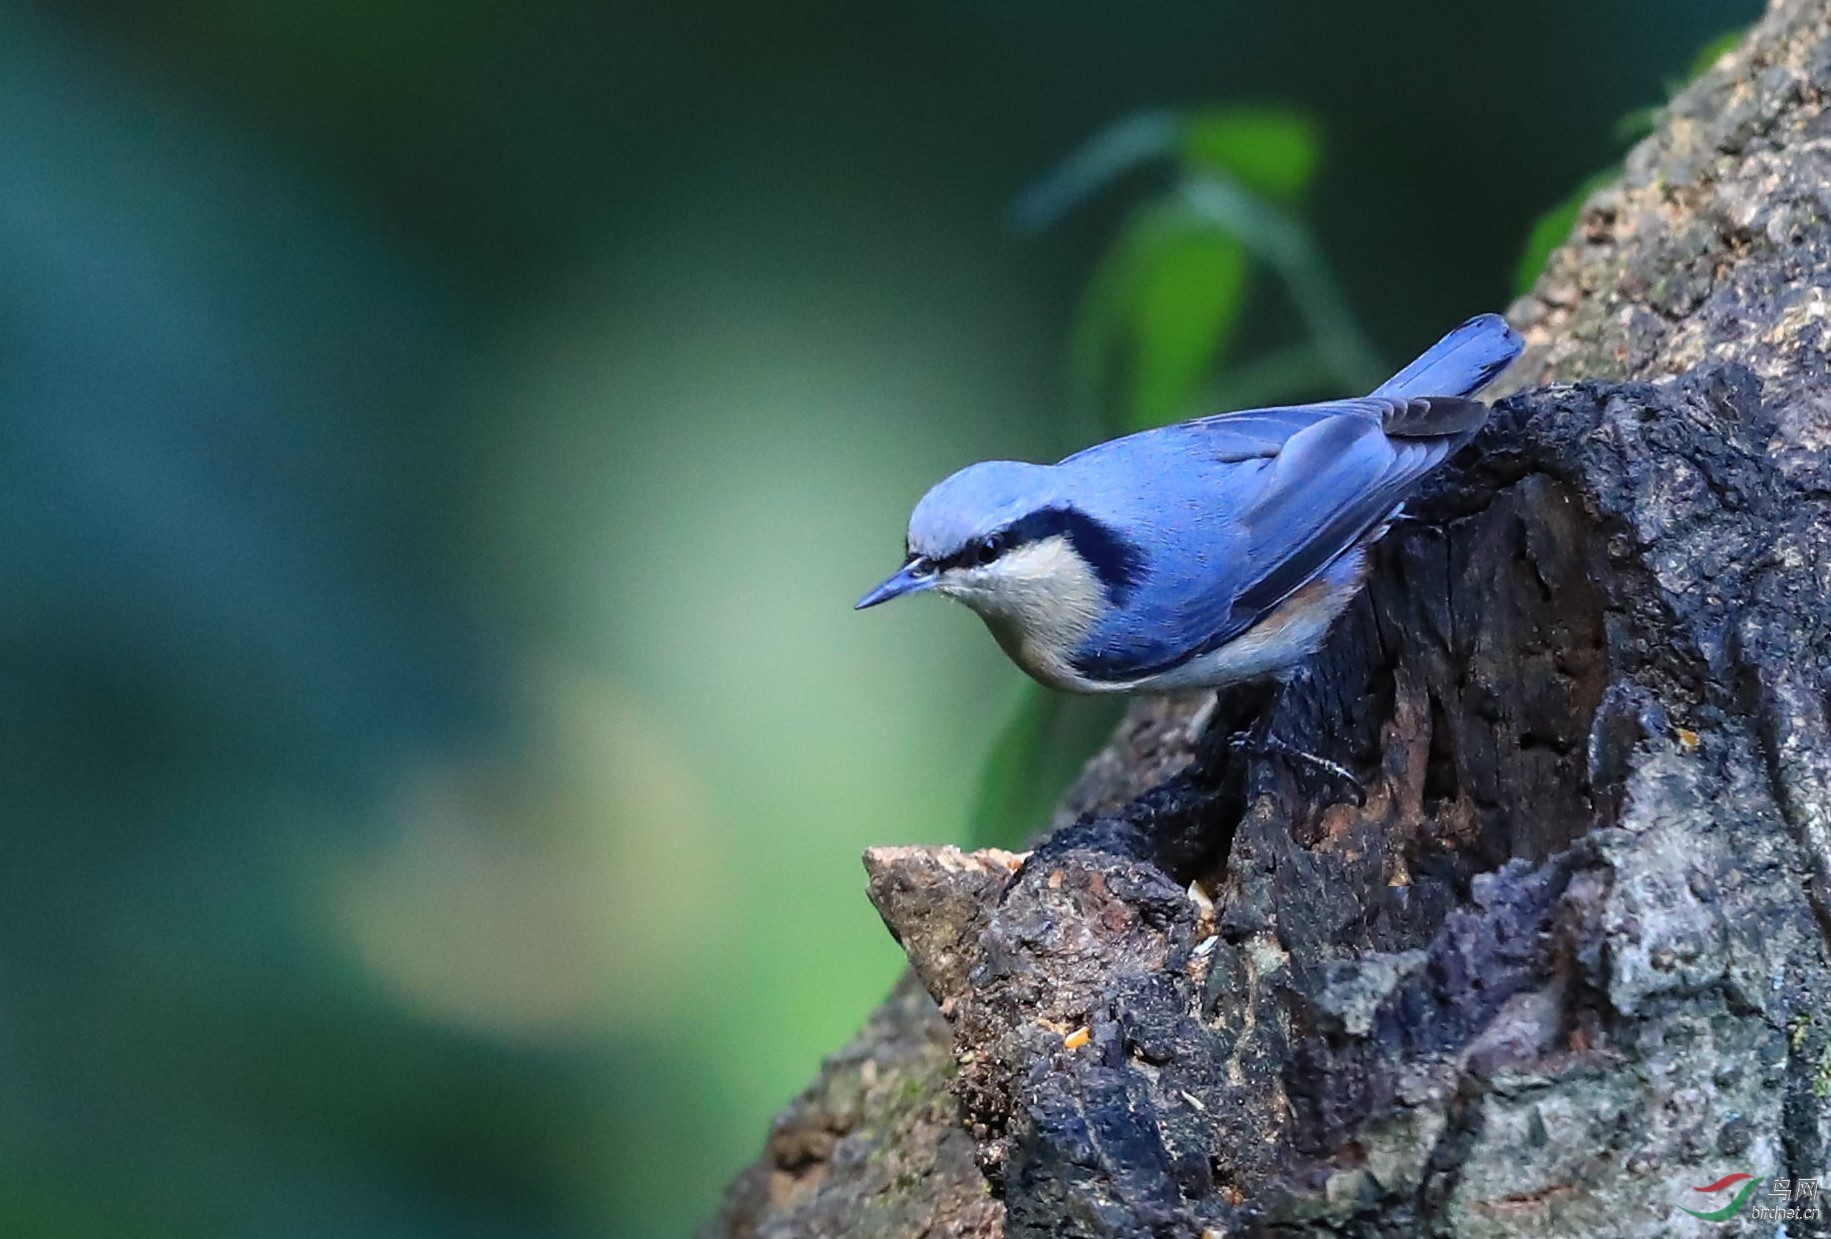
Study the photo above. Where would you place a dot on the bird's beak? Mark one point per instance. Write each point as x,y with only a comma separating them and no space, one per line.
905,581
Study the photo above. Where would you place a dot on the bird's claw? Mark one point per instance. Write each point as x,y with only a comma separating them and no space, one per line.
1260,741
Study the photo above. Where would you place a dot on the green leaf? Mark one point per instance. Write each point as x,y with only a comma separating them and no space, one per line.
1550,230
1291,375
1010,783
1188,300
1119,148
1637,124
1271,151
1631,127
1162,303
1042,747
1712,51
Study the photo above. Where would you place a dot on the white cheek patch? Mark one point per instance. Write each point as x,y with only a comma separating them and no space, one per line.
1040,600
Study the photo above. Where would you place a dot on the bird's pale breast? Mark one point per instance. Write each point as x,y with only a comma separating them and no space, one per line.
1289,633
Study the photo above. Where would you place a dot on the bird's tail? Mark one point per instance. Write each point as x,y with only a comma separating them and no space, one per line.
1461,363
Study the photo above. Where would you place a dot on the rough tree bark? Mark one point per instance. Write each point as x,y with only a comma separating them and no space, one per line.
1569,960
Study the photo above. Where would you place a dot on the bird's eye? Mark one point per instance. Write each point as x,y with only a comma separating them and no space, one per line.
919,566
986,549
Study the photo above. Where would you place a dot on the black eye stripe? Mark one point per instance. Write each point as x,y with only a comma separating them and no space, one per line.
981,551
1118,564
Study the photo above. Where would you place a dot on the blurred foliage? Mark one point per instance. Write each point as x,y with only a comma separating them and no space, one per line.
1166,297
1270,151
1151,342
1553,228
1707,57
1013,794
1036,754
1162,305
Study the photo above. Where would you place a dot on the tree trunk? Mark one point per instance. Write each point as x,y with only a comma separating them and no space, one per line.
1568,961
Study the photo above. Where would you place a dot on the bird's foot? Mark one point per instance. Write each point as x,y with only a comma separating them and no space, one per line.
1260,741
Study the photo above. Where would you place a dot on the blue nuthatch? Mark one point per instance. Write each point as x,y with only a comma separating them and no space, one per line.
1203,554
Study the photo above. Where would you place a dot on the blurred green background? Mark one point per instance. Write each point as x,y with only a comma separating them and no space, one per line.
442,443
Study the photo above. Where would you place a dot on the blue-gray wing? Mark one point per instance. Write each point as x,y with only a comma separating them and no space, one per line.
1325,477
1250,434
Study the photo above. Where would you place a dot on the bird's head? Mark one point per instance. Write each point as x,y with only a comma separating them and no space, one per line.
1010,541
